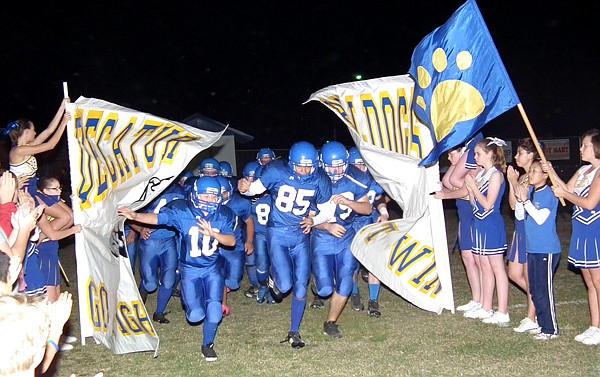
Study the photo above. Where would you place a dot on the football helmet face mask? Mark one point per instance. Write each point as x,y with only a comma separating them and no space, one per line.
334,158
303,159
206,194
265,155
210,167
226,169
250,170
226,189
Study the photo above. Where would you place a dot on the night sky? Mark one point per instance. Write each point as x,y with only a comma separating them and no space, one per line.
252,65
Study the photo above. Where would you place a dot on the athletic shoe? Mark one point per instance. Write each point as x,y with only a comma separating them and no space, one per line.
478,314
65,346
69,339
357,303
331,328
143,294
226,310
373,309
364,274
544,336
526,324
209,353
471,305
176,292
294,339
317,303
500,319
590,331
275,292
262,294
252,291
592,340
160,318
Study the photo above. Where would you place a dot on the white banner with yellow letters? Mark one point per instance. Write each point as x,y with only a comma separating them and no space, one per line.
409,255
119,157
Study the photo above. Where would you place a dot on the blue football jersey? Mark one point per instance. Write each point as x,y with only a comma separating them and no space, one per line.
261,208
292,196
196,249
242,208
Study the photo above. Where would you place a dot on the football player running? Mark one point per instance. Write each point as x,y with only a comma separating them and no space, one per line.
333,263
296,189
203,227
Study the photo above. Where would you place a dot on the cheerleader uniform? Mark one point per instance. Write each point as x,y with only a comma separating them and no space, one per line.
489,230
584,251
465,223
48,249
27,168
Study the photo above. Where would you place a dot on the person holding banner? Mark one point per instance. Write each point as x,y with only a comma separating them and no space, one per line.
203,227
462,163
47,245
295,189
489,230
583,190
517,255
333,263
26,145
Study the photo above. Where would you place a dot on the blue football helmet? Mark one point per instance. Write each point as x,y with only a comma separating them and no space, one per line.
226,169
226,188
210,167
303,154
354,157
206,185
334,156
250,169
265,153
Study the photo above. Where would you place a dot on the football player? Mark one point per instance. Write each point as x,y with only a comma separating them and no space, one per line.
203,227
333,263
295,188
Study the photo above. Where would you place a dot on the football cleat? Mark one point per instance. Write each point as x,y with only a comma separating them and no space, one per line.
160,318
373,309
331,328
209,353
294,339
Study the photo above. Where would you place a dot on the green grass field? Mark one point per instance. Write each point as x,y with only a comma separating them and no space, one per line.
405,341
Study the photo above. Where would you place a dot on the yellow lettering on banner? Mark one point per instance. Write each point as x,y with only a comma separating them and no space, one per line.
382,229
133,319
406,253
106,160
97,297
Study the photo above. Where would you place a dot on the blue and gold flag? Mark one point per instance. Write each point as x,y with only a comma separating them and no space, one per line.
460,80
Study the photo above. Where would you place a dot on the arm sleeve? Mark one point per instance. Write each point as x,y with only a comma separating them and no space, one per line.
255,188
539,215
326,212
519,211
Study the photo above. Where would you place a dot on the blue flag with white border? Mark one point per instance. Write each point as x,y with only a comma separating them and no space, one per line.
460,80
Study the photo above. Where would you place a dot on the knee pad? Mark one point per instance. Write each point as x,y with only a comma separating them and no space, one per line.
195,315
214,312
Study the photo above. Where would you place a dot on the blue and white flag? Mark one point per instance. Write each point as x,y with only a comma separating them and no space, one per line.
461,82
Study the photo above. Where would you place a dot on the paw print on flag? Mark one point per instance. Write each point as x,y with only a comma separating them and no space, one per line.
452,100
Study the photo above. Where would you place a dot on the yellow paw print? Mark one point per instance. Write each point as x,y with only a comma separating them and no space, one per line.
452,101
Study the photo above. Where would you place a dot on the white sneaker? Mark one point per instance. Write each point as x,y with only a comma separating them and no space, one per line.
526,325
478,314
69,339
592,340
590,331
500,319
544,336
471,305
66,347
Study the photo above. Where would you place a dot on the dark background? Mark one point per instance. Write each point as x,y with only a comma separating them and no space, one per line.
252,65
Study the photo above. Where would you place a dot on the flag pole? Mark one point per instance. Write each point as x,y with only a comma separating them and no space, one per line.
537,146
